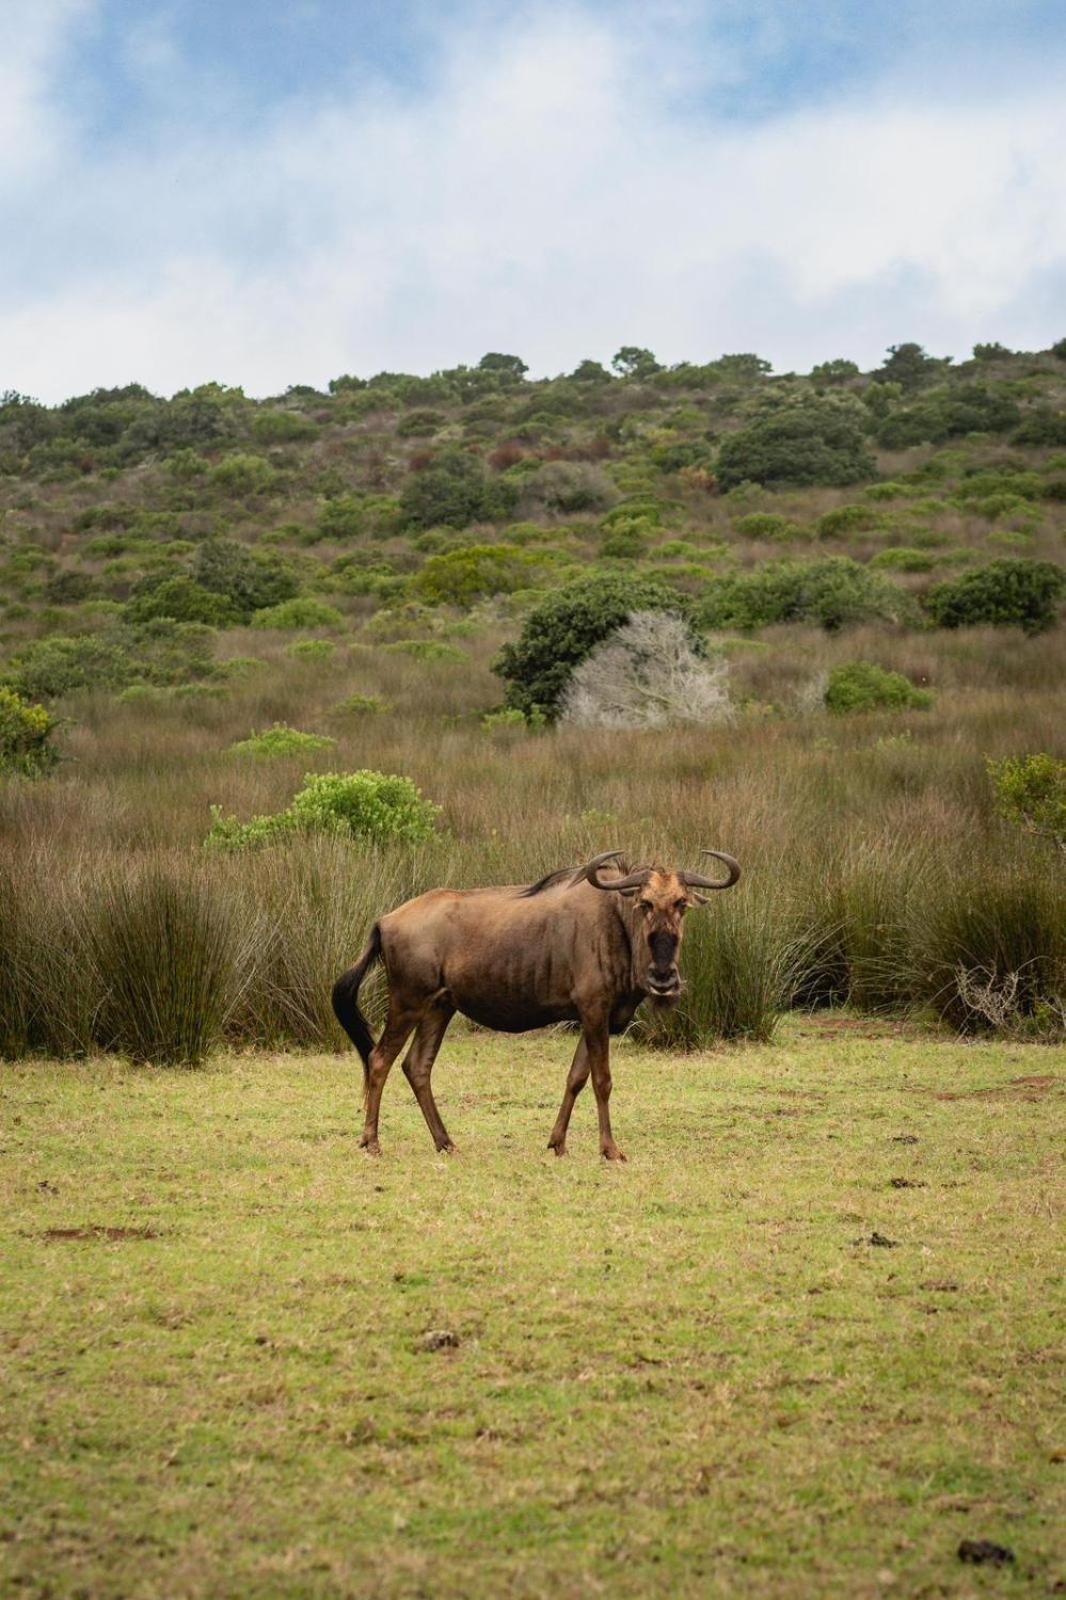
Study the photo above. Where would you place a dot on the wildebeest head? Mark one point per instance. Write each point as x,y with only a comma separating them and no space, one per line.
658,900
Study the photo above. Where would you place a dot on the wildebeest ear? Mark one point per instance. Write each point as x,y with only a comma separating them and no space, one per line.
698,899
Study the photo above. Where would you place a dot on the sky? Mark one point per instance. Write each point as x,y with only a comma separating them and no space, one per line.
271,192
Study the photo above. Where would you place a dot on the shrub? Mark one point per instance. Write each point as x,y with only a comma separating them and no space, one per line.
863,686
475,572
454,491
311,650
426,650
1031,791
165,950
374,806
50,668
947,414
249,579
820,442
1006,593
647,675
566,627
298,613
1041,428
910,366
282,427
832,593
766,525
509,718
418,424
361,705
181,599
281,740
243,474
903,558
26,732
570,486
848,519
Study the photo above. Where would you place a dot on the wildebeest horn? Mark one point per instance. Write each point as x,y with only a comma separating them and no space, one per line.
692,880
593,869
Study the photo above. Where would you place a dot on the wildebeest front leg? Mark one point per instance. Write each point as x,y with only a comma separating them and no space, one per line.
598,1044
418,1065
384,1053
576,1080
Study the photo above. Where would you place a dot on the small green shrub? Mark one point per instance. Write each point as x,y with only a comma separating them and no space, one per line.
374,806
863,686
311,650
474,572
1006,593
454,491
903,558
243,474
298,613
26,732
1031,791
283,427
509,719
361,705
846,520
281,740
767,525
426,650
181,599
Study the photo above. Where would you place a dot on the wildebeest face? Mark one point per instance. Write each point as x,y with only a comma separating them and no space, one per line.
661,906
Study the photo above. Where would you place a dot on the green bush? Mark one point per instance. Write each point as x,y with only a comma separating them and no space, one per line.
181,599
283,427
1031,791
1043,427
1006,593
361,705
419,424
426,650
848,519
832,593
947,414
476,572
903,558
863,686
567,487
566,627
243,474
454,491
311,650
821,442
767,525
281,740
374,806
250,580
26,731
298,613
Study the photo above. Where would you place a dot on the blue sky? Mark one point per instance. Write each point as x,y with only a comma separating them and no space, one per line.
275,192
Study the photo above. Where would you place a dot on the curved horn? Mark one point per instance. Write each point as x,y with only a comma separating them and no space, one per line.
692,880
630,882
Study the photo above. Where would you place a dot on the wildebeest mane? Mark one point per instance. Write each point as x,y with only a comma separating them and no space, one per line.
550,879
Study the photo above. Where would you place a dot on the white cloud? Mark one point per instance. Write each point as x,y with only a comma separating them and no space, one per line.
544,196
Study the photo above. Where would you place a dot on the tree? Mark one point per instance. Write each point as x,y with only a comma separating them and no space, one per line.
589,371
566,627
991,352
510,369
647,675
910,366
634,362
828,373
819,442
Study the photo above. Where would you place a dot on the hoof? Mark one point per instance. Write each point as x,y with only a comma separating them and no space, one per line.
371,1146
448,1149
560,1148
612,1153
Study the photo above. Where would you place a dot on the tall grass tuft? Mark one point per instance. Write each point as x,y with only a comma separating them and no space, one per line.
47,984
165,945
988,949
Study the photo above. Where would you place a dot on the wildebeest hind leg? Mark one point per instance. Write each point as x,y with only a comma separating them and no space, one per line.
418,1066
576,1080
384,1053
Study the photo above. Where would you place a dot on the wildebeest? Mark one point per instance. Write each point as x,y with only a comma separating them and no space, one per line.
574,947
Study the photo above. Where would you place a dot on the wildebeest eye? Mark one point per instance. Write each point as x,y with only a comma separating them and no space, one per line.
646,905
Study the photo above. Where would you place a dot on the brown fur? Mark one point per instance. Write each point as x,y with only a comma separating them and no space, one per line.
514,958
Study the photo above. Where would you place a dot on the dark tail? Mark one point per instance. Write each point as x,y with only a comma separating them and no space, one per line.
346,1002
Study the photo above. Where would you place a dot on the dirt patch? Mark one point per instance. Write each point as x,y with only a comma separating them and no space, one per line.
1032,1087
982,1551
95,1230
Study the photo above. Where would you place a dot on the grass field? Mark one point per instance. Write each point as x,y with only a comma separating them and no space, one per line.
690,1375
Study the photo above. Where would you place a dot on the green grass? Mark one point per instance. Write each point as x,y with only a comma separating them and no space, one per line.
683,1376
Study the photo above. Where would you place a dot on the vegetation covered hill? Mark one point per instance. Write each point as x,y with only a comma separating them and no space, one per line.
450,584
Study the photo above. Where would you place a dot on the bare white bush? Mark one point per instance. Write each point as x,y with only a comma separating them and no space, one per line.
647,675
